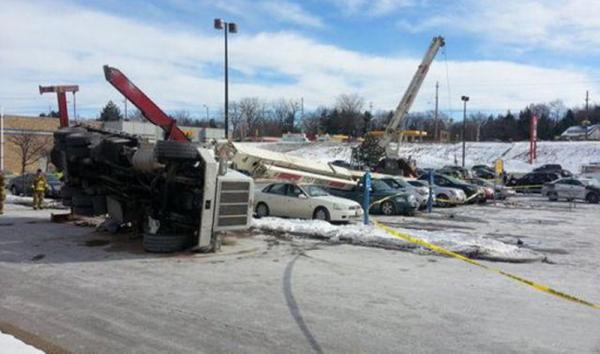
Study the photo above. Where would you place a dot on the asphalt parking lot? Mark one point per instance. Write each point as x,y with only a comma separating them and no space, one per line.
69,288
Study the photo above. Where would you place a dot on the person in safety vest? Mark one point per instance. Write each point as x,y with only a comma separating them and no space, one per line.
38,186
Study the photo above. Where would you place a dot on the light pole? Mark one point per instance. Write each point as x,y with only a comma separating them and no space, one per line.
464,127
226,27
207,115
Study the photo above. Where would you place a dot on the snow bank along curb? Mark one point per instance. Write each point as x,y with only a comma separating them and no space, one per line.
367,235
10,344
28,201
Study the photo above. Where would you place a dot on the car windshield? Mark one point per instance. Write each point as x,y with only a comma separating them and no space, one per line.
315,191
418,183
381,186
454,180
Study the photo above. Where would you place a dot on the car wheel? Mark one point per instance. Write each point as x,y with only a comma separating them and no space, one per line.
321,214
388,208
13,190
592,198
442,200
262,210
552,196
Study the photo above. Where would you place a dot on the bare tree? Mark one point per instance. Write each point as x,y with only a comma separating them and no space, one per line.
135,115
351,103
31,148
311,124
285,112
251,114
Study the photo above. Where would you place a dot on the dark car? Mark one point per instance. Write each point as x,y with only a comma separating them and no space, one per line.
455,171
384,200
555,168
473,193
532,182
483,171
21,185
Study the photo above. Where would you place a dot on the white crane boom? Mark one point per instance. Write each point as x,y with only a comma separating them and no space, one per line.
411,92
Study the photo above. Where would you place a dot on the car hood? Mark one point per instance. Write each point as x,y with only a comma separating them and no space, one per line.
336,200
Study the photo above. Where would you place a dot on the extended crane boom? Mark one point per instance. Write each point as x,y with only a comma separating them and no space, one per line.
148,108
411,92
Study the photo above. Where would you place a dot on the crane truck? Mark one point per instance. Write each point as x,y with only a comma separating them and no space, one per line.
392,163
178,195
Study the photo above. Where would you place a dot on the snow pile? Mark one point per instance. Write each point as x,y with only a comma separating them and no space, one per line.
10,344
571,155
28,201
368,235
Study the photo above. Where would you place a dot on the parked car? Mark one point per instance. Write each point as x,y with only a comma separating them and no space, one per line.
556,168
384,199
483,171
587,189
21,185
532,182
444,196
304,201
473,193
400,184
455,171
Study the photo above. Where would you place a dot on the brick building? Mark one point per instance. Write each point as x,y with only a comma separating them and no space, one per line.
39,129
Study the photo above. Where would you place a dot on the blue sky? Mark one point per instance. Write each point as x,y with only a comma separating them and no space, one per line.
504,55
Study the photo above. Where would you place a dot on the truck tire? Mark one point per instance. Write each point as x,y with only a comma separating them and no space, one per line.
165,243
99,205
77,139
82,200
166,150
83,210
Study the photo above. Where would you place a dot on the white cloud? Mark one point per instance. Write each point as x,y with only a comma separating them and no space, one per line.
270,10
521,25
374,8
66,44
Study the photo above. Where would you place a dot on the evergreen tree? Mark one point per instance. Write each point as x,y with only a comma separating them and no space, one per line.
110,112
369,152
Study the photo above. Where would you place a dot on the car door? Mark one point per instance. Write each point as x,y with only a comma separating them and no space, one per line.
579,190
275,198
298,203
562,188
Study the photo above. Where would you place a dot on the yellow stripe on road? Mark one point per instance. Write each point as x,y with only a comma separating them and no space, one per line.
544,288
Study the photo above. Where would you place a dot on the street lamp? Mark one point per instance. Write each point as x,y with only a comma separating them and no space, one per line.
207,115
227,27
464,127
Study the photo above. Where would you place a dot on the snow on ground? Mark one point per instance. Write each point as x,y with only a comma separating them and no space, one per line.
28,201
368,235
571,155
11,345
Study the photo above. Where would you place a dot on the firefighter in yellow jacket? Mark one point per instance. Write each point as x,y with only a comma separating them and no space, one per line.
39,186
2,192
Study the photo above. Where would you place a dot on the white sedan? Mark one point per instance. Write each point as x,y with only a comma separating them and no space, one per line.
304,201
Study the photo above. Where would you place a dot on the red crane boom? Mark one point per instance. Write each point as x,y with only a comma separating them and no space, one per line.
148,108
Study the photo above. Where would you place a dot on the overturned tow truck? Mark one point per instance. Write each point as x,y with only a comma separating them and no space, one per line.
173,192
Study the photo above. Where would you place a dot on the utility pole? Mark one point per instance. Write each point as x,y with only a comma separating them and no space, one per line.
464,127
435,116
301,108
125,108
587,113
227,27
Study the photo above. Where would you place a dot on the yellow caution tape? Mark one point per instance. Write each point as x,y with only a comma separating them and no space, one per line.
525,187
537,286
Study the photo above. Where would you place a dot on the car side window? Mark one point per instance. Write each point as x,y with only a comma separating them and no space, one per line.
278,189
294,191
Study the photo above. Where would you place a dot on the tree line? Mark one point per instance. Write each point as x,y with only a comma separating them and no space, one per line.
252,117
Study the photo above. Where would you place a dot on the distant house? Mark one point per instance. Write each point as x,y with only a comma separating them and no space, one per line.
578,132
